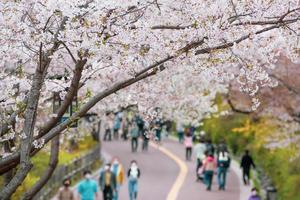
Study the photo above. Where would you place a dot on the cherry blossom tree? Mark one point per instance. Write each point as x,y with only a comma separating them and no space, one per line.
176,54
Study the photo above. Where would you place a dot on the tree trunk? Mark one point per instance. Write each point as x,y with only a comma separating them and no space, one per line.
26,141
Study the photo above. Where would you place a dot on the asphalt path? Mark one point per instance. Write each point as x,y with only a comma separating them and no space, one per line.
165,175
159,172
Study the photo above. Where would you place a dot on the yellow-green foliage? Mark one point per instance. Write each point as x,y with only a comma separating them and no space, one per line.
241,132
40,162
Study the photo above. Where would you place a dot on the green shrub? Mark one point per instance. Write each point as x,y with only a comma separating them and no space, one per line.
241,132
41,159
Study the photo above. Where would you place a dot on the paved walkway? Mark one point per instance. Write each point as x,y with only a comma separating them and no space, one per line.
166,176
159,172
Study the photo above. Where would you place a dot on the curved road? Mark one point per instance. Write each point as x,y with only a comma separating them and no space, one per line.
159,172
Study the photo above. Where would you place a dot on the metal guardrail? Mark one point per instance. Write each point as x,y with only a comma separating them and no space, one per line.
74,170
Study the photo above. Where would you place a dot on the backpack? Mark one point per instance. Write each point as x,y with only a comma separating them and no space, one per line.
210,166
223,159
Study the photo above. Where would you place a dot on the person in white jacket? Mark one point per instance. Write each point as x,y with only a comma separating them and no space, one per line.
199,150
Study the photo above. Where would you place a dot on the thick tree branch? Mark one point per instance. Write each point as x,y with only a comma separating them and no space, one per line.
26,141
241,39
268,22
48,172
30,119
179,52
68,98
170,27
13,160
6,126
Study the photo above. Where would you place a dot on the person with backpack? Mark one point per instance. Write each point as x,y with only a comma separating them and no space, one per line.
222,147
223,164
133,175
107,182
118,170
246,164
134,134
188,143
87,188
209,166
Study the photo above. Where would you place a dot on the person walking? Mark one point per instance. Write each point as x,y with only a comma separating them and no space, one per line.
140,123
125,128
188,143
223,163
210,147
118,171
107,182
254,195
65,192
180,132
133,175
145,137
222,147
168,123
87,188
117,124
246,164
134,133
199,150
108,128
209,166
158,129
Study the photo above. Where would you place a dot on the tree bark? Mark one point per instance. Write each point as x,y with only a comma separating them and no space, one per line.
68,99
30,119
26,141
48,172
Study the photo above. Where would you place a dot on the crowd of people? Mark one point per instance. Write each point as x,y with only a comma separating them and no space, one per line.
208,160
111,179
129,125
211,160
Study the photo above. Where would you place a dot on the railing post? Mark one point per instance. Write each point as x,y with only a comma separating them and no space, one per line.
271,193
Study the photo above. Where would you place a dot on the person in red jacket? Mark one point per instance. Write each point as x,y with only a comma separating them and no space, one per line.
209,167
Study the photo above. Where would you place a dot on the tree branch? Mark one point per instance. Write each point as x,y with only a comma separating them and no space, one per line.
69,51
171,27
241,39
48,172
30,119
26,141
68,98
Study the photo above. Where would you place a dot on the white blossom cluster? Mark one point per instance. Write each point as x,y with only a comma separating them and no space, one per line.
119,38
38,144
